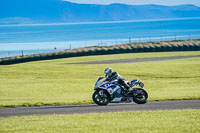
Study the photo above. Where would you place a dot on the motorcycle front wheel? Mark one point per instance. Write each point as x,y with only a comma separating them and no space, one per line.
100,97
140,96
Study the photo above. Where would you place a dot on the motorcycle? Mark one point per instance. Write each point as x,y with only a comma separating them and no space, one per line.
111,92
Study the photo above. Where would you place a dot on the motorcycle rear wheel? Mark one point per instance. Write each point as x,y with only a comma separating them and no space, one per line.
140,96
100,99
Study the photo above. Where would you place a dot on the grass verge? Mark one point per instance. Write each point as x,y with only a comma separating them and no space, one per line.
176,121
53,82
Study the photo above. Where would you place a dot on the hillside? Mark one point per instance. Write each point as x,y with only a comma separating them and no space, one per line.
58,11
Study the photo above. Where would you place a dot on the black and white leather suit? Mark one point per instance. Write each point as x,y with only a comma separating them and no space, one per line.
121,81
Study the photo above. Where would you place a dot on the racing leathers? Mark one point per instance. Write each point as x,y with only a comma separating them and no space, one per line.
121,81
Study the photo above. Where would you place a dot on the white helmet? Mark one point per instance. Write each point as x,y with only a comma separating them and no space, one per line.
108,71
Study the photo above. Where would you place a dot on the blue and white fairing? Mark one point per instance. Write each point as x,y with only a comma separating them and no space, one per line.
111,87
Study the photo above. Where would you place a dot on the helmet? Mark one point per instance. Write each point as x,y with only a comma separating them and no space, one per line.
108,71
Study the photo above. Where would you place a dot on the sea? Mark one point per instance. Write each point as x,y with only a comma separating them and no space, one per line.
29,39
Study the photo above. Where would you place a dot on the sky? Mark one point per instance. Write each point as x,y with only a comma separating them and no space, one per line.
139,2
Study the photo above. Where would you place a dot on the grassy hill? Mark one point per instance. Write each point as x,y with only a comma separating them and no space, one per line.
59,11
53,82
164,46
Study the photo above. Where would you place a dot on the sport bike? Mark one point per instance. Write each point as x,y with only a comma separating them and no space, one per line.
112,92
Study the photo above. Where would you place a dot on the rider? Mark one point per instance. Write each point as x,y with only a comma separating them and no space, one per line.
111,76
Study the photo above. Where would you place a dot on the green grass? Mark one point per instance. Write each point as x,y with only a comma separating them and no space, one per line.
176,121
53,82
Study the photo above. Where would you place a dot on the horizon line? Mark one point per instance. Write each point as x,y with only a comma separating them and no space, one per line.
100,22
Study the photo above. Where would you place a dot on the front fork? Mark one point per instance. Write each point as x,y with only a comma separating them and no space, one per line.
101,93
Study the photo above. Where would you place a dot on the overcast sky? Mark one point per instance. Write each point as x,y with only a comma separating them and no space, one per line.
140,2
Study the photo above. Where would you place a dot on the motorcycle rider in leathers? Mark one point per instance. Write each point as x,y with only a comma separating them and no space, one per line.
111,76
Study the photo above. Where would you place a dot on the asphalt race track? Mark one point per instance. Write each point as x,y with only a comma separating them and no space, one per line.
93,108
135,60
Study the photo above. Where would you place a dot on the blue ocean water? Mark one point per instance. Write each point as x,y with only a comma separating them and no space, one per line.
51,37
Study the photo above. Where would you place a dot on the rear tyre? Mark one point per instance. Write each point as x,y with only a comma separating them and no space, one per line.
140,96
100,97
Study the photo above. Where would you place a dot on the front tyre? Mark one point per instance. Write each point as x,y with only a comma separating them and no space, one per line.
140,96
100,97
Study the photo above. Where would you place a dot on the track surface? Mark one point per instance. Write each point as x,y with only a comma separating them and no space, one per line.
92,108
135,60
